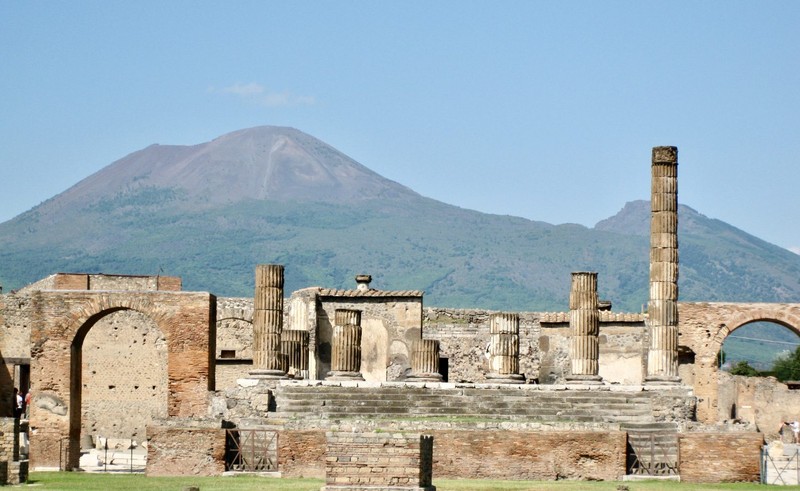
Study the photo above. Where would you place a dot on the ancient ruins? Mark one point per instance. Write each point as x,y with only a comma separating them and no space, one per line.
298,383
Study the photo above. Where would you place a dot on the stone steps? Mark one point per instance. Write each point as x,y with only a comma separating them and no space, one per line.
596,406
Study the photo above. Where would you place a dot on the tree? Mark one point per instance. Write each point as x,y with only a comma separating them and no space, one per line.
787,367
744,368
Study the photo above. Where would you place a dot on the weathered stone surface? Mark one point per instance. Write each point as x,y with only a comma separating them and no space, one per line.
720,457
180,451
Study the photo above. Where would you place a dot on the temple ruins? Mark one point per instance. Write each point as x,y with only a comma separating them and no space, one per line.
286,382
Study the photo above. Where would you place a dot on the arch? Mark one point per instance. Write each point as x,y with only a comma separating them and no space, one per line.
703,328
131,362
62,320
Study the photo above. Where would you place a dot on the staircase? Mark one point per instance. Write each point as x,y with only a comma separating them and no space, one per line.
528,404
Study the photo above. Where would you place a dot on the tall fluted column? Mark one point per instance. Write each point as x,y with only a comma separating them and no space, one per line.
504,349
584,322
346,346
662,356
294,344
268,361
425,361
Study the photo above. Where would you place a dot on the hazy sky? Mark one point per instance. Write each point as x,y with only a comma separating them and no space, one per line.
545,110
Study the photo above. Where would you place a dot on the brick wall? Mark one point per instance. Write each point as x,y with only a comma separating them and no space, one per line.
378,459
720,457
124,376
486,454
529,455
301,453
175,451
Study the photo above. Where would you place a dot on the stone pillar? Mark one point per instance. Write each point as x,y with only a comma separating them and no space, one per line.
504,349
584,322
346,346
425,361
268,361
294,344
662,355
363,281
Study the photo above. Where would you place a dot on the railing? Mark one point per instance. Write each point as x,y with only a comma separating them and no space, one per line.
251,450
785,471
651,459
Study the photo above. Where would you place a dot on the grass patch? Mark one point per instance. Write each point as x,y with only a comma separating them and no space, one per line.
74,481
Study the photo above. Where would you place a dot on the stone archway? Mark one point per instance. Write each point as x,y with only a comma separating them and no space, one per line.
61,322
703,328
123,376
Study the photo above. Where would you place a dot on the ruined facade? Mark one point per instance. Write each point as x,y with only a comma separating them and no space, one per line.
135,357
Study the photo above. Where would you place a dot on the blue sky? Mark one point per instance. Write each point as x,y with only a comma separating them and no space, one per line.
545,110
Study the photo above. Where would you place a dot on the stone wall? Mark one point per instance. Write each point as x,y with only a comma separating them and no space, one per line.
124,376
587,455
720,457
762,401
177,450
543,344
379,460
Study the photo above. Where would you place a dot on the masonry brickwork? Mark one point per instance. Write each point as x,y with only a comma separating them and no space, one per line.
395,461
720,457
177,450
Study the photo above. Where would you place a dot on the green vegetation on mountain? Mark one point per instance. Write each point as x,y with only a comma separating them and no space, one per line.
210,212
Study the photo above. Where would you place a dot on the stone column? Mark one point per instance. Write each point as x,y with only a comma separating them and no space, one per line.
268,360
346,346
584,322
504,349
294,344
662,356
425,361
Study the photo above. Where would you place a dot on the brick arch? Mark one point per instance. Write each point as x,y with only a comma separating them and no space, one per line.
77,381
703,328
781,317
61,321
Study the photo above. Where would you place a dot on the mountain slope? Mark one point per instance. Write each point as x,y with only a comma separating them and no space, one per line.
211,212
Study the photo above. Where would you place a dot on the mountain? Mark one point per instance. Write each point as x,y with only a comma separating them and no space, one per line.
210,212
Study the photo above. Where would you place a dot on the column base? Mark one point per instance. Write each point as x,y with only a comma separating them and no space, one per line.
424,377
511,378
268,374
341,376
662,380
584,379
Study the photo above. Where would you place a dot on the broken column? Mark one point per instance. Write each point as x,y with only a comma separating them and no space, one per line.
294,344
662,356
425,361
346,346
584,322
268,361
504,349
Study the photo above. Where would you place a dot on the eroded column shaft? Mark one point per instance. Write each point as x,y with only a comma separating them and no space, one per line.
584,321
346,345
662,356
504,348
294,344
268,321
425,361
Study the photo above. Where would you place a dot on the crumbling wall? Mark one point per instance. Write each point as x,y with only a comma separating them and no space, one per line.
124,376
185,448
543,344
720,457
760,400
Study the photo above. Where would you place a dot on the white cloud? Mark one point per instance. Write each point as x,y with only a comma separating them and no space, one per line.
795,249
258,94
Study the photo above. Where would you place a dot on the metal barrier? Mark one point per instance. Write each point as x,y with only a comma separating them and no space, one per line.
249,450
785,471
